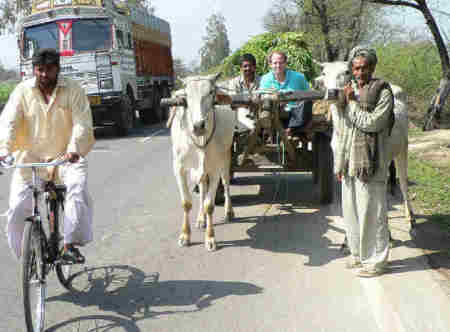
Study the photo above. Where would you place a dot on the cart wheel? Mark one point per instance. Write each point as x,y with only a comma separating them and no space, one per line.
315,158
325,169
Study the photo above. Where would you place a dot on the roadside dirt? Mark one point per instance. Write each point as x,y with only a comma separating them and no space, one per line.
434,147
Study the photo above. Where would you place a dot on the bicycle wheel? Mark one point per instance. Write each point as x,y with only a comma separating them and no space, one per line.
34,286
66,273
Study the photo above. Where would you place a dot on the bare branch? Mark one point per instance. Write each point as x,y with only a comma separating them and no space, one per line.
395,3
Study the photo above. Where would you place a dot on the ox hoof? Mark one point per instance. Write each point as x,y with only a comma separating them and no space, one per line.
210,245
184,241
229,216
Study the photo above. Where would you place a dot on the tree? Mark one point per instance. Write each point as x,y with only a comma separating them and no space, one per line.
334,27
442,93
282,17
147,4
9,13
216,46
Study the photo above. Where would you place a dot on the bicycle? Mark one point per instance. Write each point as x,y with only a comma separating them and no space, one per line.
42,248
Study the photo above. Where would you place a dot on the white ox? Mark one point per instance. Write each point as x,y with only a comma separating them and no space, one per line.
333,78
202,136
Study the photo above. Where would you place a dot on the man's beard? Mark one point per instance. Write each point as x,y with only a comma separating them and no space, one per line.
47,84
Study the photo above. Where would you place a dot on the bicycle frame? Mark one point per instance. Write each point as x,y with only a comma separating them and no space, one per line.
53,197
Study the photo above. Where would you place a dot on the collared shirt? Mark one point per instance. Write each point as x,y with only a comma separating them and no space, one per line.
237,84
294,81
36,131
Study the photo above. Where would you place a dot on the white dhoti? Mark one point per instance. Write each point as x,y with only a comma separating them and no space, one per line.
364,207
77,226
243,120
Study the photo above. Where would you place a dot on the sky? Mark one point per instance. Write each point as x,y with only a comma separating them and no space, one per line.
188,20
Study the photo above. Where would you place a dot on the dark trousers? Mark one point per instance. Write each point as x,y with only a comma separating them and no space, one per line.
299,116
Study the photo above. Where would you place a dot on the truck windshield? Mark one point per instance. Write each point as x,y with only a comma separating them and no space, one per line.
41,36
87,35
91,35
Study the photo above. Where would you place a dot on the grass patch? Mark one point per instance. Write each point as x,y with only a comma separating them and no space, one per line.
431,190
5,91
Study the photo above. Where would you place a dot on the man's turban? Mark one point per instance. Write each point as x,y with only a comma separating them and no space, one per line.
368,53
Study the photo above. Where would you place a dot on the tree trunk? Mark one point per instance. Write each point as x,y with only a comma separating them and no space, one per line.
433,116
438,101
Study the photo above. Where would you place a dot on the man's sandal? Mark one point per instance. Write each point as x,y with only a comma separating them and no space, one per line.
73,256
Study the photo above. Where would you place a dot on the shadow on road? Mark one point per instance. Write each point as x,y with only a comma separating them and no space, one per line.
301,224
129,292
294,222
428,236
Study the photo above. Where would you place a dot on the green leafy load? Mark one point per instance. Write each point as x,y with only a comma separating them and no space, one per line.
291,43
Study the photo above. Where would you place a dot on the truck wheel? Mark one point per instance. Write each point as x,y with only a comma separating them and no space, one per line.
146,115
157,109
125,117
325,169
165,109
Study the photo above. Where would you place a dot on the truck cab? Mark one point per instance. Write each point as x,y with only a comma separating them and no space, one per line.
101,47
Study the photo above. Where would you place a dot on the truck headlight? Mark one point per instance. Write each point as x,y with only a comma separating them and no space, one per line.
106,84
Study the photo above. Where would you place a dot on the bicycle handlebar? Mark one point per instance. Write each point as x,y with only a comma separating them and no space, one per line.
8,162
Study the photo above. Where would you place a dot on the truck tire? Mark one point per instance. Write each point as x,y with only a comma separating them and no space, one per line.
124,116
157,109
165,109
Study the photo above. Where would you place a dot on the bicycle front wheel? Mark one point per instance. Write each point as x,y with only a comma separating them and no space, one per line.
34,286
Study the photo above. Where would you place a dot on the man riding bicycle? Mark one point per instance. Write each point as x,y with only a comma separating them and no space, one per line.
49,117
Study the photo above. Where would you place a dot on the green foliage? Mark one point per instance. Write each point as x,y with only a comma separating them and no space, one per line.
292,43
216,45
416,67
5,91
431,189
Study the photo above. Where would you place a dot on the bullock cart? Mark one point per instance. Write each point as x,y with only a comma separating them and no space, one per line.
274,151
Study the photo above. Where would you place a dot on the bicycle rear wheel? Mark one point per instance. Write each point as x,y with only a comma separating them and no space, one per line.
34,286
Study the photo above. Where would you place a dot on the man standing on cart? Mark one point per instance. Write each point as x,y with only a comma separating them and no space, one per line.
48,117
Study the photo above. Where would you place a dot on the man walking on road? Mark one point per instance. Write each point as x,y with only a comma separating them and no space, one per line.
46,117
368,110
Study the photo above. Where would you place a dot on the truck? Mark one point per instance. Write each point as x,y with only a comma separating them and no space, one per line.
117,51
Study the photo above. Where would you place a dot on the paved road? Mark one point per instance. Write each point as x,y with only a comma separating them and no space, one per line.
278,267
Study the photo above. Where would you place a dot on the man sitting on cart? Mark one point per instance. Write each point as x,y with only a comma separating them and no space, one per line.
298,114
247,82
